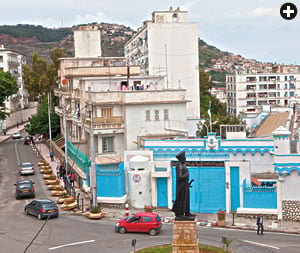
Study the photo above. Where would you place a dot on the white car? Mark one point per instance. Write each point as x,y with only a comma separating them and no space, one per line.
16,135
26,168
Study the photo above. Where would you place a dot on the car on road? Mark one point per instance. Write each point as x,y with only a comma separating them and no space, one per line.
28,139
24,188
140,222
16,135
26,168
42,208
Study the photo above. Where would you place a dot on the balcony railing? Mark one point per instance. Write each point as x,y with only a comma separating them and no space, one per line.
106,123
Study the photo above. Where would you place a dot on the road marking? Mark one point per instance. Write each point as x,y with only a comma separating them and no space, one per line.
71,244
261,244
17,152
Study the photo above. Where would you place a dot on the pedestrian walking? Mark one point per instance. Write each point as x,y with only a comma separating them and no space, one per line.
260,224
58,171
52,155
72,179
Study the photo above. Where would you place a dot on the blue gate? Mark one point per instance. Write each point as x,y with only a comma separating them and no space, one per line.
162,192
235,188
208,192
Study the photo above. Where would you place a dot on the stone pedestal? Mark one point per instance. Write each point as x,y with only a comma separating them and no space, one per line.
185,237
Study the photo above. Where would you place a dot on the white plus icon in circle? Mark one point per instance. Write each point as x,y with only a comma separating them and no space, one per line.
288,11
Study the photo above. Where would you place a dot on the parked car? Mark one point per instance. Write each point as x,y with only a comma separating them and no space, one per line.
24,188
28,139
16,135
141,222
42,208
26,168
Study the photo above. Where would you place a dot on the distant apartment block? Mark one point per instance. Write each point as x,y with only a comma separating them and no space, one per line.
167,46
12,62
248,92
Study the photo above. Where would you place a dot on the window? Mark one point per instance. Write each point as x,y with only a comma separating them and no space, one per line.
107,144
166,114
156,114
106,112
1,58
146,219
147,115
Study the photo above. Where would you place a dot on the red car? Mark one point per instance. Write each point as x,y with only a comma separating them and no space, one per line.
141,222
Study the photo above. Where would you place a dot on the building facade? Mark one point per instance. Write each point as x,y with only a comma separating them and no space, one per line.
247,92
12,62
126,108
168,45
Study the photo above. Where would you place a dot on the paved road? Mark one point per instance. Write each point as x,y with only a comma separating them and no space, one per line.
78,234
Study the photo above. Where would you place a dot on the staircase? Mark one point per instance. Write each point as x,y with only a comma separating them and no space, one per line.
60,142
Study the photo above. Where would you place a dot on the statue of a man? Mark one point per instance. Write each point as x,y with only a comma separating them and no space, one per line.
181,206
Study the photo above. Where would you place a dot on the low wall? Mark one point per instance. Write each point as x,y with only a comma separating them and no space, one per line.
291,210
18,117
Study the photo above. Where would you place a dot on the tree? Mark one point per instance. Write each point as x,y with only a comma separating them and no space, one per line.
218,109
39,123
8,87
40,78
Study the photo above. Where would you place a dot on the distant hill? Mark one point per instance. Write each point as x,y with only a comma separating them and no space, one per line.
28,39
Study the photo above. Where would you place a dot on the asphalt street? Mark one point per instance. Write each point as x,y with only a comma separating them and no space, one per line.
78,234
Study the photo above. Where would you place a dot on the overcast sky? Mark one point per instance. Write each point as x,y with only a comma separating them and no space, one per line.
252,28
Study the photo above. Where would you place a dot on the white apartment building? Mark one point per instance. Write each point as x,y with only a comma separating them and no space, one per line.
248,92
127,106
12,61
168,45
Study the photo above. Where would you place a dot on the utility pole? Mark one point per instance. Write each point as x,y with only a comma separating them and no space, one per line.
92,154
166,54
66,140
49,119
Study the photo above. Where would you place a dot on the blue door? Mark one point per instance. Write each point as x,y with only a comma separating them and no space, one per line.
211,189
162,192
235,187
207,194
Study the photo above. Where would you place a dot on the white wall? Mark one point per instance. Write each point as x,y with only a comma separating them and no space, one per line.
291,187
87,43
259,163
180,42
136,124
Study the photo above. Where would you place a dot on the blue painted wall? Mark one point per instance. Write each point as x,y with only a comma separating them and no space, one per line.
110,180
235,188
260,197
162,192
208,192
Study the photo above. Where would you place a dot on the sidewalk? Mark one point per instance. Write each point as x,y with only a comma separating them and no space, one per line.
168,216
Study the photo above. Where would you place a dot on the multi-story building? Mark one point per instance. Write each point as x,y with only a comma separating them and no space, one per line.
248,92
12,62
127,107
168,45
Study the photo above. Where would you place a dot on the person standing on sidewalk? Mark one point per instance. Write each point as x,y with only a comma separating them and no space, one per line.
52,155
260,224
58,171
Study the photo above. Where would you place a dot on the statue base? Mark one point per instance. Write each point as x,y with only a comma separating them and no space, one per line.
185,218
185,236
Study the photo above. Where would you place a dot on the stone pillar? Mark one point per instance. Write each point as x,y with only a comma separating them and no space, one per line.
185,237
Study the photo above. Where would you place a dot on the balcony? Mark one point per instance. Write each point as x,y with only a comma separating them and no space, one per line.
63,92
101,123
101,71
136,97
60,112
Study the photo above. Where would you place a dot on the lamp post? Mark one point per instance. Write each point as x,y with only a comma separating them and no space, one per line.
49,119
92,153
66,140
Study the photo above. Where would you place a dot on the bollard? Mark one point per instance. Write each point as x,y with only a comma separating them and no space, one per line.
82,205
126,210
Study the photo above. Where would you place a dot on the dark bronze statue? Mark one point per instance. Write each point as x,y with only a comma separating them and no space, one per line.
181,206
